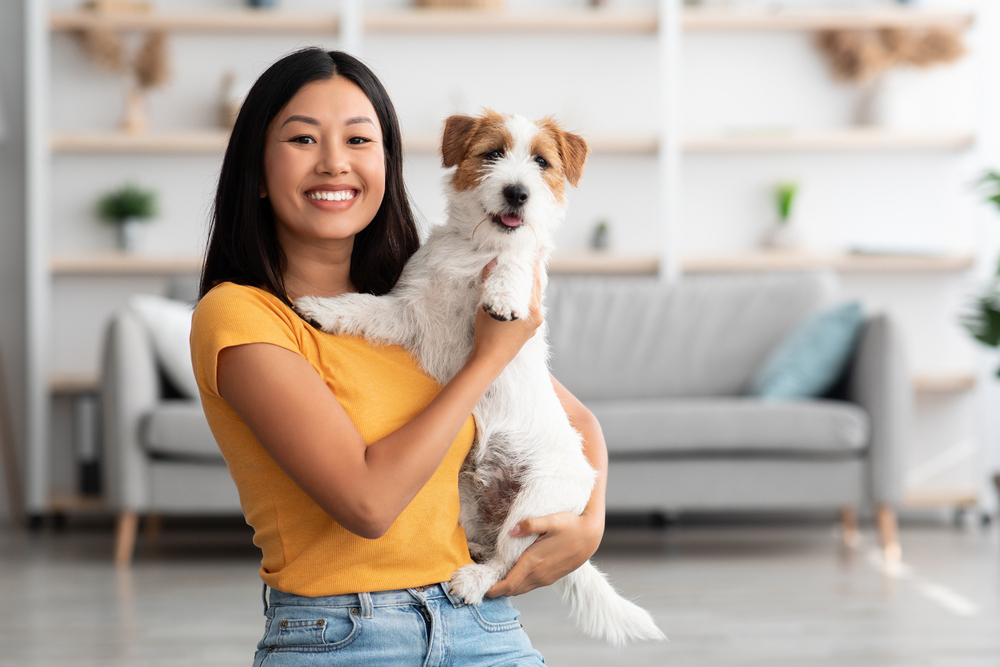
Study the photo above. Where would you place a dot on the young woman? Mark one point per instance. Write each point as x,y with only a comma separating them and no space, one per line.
346,456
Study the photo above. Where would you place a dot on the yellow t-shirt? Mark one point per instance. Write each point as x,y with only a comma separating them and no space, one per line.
304,551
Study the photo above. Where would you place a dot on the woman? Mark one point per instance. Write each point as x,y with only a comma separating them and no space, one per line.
345,454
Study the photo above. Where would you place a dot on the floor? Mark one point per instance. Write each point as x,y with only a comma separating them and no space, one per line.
761,594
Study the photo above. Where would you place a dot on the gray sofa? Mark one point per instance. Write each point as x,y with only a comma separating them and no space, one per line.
664,368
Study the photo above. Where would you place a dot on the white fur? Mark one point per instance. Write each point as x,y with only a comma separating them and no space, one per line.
520,423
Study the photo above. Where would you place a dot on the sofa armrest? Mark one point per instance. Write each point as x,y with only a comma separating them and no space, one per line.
880,382
129,390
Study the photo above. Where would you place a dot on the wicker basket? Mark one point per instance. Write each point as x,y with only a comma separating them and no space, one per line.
459,4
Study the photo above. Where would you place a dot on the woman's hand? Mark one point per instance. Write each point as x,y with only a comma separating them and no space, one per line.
565,542
501,341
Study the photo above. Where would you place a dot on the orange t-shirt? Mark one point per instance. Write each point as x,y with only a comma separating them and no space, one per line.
304,551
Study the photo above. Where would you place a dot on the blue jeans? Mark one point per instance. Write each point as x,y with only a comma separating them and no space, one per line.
422,627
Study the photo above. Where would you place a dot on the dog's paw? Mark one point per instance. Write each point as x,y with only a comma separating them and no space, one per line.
472,581
319,312
501,313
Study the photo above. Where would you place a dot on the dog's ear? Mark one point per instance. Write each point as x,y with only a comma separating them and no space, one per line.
573,150
457,131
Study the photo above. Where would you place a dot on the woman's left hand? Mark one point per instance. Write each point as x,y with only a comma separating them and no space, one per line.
565,542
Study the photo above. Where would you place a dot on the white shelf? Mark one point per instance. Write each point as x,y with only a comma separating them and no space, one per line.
122,264
847,139
430,21
842,139
846,263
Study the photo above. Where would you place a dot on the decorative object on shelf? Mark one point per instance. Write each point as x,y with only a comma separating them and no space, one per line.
149,69
862,57
460,4
230,100
600,237
783,234
261,4
127,208
983,319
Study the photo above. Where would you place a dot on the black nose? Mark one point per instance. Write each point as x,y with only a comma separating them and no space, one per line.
515,194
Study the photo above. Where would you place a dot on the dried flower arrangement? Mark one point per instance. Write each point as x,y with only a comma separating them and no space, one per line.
863,56
150,68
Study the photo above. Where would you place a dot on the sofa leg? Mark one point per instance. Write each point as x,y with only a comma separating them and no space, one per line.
888,530
125,533
849,527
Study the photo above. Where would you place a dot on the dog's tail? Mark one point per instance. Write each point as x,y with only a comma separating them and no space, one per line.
601,612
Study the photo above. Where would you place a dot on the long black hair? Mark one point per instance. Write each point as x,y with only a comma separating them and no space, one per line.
243,244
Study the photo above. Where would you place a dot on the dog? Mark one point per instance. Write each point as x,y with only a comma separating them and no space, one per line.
506,196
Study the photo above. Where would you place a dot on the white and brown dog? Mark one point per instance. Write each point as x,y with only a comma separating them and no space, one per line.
506,197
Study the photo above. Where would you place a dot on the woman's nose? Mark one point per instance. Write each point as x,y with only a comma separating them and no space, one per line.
333,159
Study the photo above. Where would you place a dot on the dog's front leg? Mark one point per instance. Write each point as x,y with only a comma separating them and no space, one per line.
381,319
507,290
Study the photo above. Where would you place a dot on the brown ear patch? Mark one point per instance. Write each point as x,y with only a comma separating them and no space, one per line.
572,149
457,131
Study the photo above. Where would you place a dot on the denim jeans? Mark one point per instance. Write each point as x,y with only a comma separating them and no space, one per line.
422,627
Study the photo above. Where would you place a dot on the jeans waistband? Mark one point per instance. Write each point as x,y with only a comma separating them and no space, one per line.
375,598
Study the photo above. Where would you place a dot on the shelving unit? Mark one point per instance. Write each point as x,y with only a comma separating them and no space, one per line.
665,26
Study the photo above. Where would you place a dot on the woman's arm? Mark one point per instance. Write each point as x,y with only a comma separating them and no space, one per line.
300,423
565,541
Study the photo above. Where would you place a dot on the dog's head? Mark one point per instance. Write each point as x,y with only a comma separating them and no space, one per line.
511,172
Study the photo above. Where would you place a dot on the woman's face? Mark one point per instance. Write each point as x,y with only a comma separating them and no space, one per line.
324,166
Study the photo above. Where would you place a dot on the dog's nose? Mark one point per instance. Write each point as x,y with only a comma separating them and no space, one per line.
515,194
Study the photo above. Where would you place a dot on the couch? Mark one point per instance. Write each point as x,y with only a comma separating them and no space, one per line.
664,367
666,370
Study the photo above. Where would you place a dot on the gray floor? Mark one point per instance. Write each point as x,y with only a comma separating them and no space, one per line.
736,595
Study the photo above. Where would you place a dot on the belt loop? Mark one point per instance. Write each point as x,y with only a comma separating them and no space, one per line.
367,608
452,598
263,596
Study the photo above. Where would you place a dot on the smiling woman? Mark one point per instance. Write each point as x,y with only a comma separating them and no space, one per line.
345,453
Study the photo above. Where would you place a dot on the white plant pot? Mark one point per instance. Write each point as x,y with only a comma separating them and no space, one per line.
782,236
129,234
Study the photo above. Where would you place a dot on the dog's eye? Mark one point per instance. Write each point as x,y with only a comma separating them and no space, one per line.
494,155
542,162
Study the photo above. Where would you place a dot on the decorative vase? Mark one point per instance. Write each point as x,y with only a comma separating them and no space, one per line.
868,110
134,118
128,234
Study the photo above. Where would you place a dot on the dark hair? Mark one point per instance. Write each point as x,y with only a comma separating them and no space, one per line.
243,244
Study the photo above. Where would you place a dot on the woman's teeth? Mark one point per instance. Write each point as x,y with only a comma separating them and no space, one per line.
335,195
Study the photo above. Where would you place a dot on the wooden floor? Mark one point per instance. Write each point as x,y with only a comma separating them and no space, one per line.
727,596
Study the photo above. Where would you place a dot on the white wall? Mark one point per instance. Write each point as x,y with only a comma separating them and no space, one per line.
12,275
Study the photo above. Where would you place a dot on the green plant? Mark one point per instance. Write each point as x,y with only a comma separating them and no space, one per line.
983,319
127,202
784,197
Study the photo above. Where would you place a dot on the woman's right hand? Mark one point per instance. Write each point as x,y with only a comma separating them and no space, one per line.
501,341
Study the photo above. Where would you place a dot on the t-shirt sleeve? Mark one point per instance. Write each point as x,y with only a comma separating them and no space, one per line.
230,315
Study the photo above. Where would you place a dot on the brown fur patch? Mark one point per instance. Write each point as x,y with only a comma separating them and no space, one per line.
546,145
496,499
573,150
464,144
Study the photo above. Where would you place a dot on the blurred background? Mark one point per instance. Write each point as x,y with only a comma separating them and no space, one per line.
740,148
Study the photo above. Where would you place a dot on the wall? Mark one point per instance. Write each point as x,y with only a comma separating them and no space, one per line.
12,275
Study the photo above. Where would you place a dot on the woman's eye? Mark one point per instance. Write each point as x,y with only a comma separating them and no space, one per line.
304,139
494,155
542,162
359,140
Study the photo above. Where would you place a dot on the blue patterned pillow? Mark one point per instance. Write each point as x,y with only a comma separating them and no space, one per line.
808,362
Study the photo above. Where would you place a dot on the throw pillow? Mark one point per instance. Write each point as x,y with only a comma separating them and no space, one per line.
168,323
808,362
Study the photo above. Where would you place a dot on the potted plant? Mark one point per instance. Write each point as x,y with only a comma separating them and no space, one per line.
127,208
783,234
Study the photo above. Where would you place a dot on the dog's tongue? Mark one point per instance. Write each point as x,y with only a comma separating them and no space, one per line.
510,220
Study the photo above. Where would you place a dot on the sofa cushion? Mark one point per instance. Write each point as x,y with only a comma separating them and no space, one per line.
178,429
810,360
168,323
732,425
700,336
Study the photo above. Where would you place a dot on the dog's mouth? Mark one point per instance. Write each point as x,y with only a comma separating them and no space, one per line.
508,221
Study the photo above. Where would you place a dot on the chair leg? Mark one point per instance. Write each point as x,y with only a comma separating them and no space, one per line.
125,534
888,530
152,529
849,527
